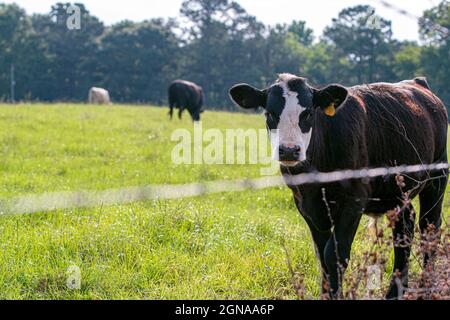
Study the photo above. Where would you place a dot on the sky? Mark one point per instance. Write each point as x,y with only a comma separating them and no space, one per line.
317,13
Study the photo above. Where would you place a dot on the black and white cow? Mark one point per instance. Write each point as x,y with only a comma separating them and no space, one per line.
186,95
365,126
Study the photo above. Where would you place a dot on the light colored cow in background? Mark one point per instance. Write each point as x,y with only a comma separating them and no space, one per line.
99,96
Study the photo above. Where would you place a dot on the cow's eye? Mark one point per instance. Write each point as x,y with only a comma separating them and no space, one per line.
305,116
306,121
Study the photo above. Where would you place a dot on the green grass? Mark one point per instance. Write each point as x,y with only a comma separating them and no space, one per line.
226,246
56,148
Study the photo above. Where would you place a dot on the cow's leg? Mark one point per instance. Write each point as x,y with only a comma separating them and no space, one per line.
194,115
320,238
320,241
171,112
403,235
180,113
338,247
431,203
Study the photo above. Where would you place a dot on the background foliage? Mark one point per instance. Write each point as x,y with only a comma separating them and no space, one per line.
215,43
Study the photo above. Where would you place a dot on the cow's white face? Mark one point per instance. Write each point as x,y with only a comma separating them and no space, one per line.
290,108
290,122
289,111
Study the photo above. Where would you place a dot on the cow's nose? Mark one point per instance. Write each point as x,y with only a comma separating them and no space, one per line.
289,153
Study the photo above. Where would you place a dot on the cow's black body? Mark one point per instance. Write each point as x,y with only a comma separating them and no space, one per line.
186,95
377,125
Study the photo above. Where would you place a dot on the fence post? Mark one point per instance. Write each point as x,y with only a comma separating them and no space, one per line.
13,84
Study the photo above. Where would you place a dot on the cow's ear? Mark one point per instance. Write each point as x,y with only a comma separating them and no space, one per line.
248,97
330,98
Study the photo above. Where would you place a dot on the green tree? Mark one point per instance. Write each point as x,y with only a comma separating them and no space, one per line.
435,58
137,61
325,65
364,40
14,26
215,43
222,46
283,52
71,54
301,32
435,24
407,60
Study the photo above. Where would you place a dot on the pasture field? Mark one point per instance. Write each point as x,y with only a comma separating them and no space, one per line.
236,245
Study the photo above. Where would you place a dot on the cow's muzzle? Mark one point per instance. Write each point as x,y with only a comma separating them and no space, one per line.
289,155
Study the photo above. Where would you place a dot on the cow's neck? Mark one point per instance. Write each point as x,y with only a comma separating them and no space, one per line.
337,144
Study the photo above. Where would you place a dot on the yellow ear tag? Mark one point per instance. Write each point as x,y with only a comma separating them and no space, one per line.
330,110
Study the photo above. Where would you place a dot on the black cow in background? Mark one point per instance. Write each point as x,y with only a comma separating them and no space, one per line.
368,126
186,95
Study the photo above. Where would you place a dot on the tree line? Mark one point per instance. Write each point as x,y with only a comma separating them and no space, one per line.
215,43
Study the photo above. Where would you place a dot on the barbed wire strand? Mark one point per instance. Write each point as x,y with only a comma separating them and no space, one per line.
435,26
46,202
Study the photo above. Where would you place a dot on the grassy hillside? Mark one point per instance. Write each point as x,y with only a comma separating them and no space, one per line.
227,246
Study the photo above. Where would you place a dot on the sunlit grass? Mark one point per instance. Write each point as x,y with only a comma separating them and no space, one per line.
226,246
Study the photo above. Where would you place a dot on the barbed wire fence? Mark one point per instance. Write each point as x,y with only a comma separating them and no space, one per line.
46,202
